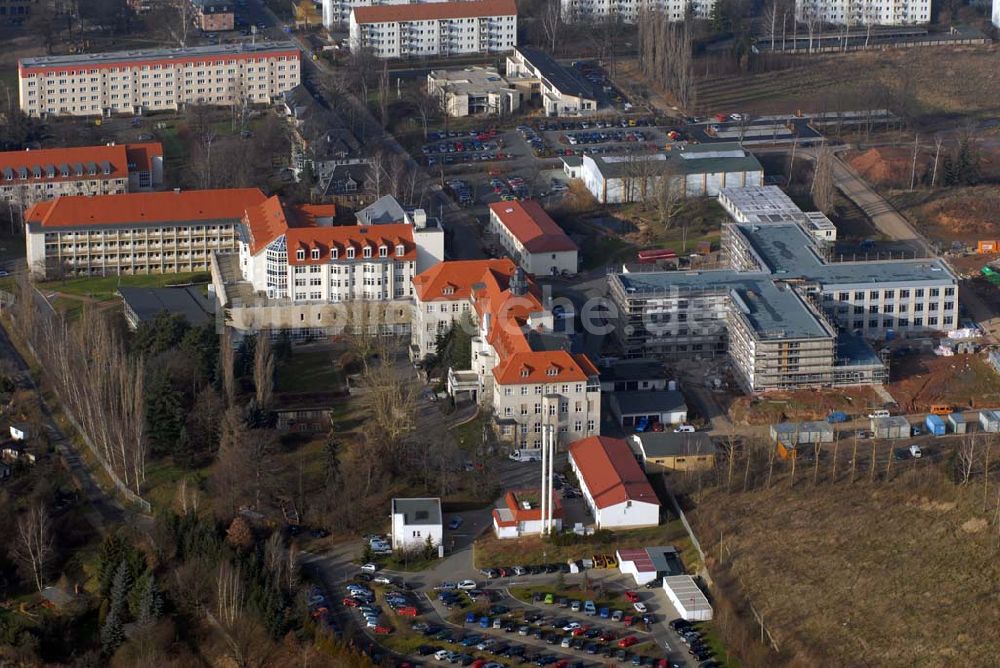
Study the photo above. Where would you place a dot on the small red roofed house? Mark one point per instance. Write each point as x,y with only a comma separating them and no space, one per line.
532,238
521,514
613,483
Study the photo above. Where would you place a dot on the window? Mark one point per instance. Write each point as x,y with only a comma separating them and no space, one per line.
859,296
843,296
932,321
949,292
873,323
383,251
934,292
400,251
948,306
367,251
350,253
890,294
904,294
919,292
300,255
315,253
858,310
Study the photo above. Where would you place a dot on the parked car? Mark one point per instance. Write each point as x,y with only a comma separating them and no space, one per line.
589,608
640,607
466,585
627,641
369,568
915,451
631,596
455,522
684,429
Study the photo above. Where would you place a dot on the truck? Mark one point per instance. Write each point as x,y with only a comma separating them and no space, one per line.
526,455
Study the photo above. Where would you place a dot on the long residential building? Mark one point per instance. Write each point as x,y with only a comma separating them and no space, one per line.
136,233
435,29
579,11
786,316
864,12
28,177
131,82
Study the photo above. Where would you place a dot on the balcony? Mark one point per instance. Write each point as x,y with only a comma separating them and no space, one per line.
462,381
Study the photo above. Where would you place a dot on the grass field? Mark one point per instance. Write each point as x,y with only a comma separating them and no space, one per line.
102,288
894,573
309,371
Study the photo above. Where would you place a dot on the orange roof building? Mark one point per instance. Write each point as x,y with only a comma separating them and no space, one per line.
28,177
613,483
524,365
521,514
530,236
445,28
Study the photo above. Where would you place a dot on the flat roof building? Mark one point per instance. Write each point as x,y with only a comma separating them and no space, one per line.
694,170
769,205
779,306
134,82
473,91
654,406
143,305
532,239
416,523
669,451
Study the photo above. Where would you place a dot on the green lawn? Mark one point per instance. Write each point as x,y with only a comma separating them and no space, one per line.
102,288
309,371
604,250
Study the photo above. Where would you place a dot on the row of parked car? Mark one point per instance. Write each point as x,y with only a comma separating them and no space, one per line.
319,610
461,191
618,136
691,636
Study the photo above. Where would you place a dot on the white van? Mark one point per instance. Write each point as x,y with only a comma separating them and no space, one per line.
527,455
880,413
915,451
684,429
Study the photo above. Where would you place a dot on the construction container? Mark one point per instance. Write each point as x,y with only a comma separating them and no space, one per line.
935,425
896,426
990,421
800,433
688,599
957,423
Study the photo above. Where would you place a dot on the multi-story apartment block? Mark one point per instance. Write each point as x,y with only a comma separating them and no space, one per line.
136,233
864,12
28,177
297,254
532,238
435,29
628,10
784,313
130,82
521,364
214,15
441,297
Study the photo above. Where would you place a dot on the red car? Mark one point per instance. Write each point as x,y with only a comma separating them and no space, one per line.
608,636
350,602
407,611
383,630
579,631
627,641
631,597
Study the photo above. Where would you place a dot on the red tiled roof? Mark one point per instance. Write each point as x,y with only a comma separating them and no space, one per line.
145,208
71,157
141,155
431,11
342,237
519,514
638,555
272,218
530,225
609,471
459,276
557,366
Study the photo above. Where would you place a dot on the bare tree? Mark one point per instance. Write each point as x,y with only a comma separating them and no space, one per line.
263,370
552,23
823,185
965,459
33,544
227,359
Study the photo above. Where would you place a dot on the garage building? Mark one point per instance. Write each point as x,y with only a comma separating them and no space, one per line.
663,406
687,598
645,564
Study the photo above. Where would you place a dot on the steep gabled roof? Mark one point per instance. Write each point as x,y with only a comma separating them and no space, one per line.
610,473
534,228
457,276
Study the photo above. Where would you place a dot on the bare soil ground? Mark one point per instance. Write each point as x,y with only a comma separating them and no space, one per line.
801,405
964,214
944,81
895,573
966,381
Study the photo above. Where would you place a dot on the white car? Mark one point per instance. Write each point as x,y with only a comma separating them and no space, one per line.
441,655
684,429
640,607
369,568
915,452
571,626
383,579
736,117
467,584
445,586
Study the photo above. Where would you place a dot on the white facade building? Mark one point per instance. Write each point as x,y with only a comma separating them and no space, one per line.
435,29
613,484
532,238
700,170
521,515
562,91
769,205
415,522
296,253
131,82
473,90
337,13
864,12
628,10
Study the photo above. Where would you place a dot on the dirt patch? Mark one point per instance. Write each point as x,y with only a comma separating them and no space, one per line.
957,214
963,381
887,166
801,405
862,576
